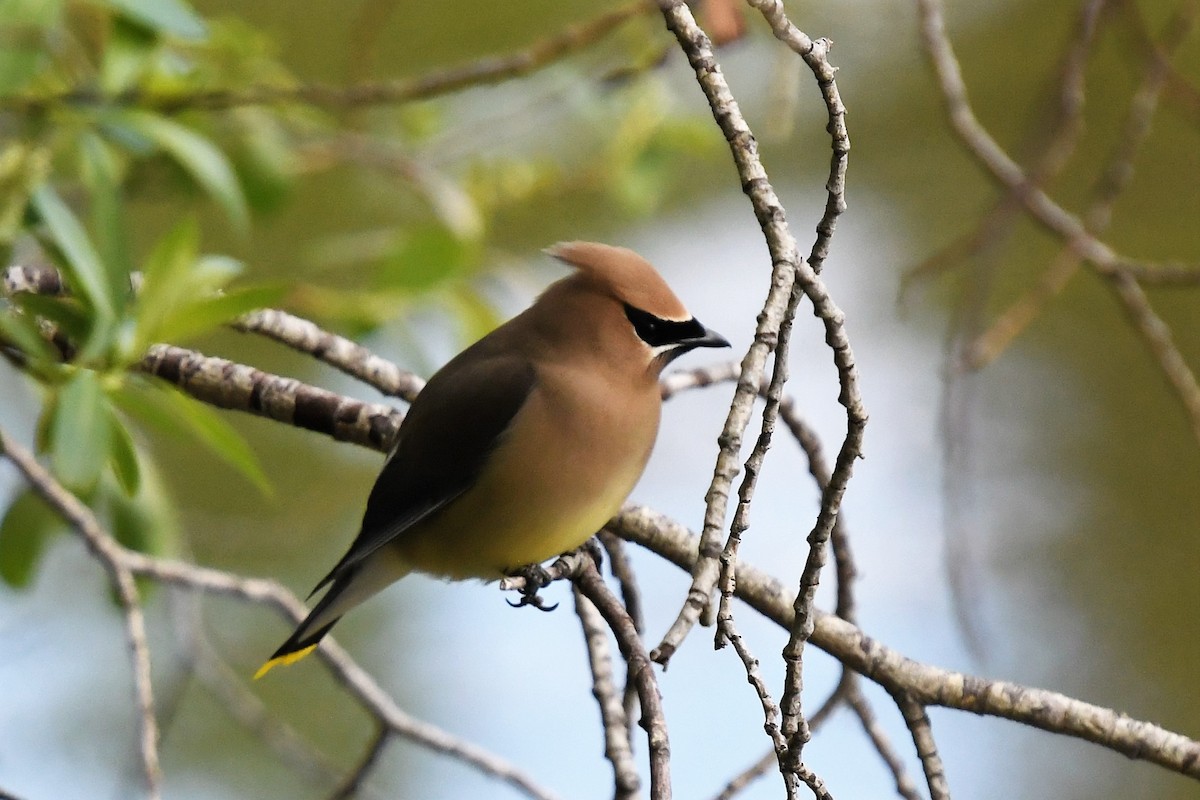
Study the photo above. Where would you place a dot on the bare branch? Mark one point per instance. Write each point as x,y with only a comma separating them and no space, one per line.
905,786
770,709
841,693
988,345
631,595
230,690
770,215
1053,216
226,384
749,775
924,683
922,734
587,579
813,782
816,56
337,351
617,747
785,257
355,780
109,554
481,72
353,678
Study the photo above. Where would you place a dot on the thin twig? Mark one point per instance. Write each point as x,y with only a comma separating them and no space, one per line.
358,776
813,781
922,735
631,595
337,351
245,707
353,678
839,696
925,683
710,374
617,747
109,554
622,569
1053,216
587,579
481,72
740,782
784,256
779,741
763,765
770,213
1116,177
905,787
815,54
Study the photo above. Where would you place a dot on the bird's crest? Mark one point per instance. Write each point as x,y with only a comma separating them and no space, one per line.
624,274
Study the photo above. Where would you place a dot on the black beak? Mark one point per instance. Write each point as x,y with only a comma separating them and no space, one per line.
710,339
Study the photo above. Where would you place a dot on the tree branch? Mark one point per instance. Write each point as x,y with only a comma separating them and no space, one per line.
587,579
617,748
109,554
1054,217
922,735
481,72
226,384
905,787
924,683
348,356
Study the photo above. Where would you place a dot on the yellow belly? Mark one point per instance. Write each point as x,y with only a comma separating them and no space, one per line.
493,530
535,498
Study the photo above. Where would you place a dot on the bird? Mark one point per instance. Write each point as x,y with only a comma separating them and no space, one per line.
523,445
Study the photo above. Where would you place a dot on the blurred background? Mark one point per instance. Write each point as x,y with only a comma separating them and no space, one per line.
1056,488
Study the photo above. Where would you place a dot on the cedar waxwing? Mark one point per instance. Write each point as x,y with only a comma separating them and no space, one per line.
526,443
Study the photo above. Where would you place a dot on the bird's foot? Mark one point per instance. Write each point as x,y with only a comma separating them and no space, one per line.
536,578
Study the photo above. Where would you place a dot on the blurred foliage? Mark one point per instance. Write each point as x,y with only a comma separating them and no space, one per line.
116,165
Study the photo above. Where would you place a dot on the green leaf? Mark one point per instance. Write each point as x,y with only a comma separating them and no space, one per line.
163,16
27,526
165,284
124,457
214,272
262,154
426,257
22,331
173,412
208,313
81,431
203,160
146,521
85,271
128,57
23,27
65,313
100,173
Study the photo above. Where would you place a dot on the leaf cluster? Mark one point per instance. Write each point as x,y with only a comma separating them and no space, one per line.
108,124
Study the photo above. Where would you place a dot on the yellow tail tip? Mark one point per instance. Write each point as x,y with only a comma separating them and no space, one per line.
285,659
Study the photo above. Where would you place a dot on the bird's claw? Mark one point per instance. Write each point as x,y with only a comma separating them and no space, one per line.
536,578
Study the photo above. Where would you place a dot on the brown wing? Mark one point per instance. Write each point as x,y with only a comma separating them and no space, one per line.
443,445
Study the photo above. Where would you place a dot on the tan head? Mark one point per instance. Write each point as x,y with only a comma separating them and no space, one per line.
622,291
